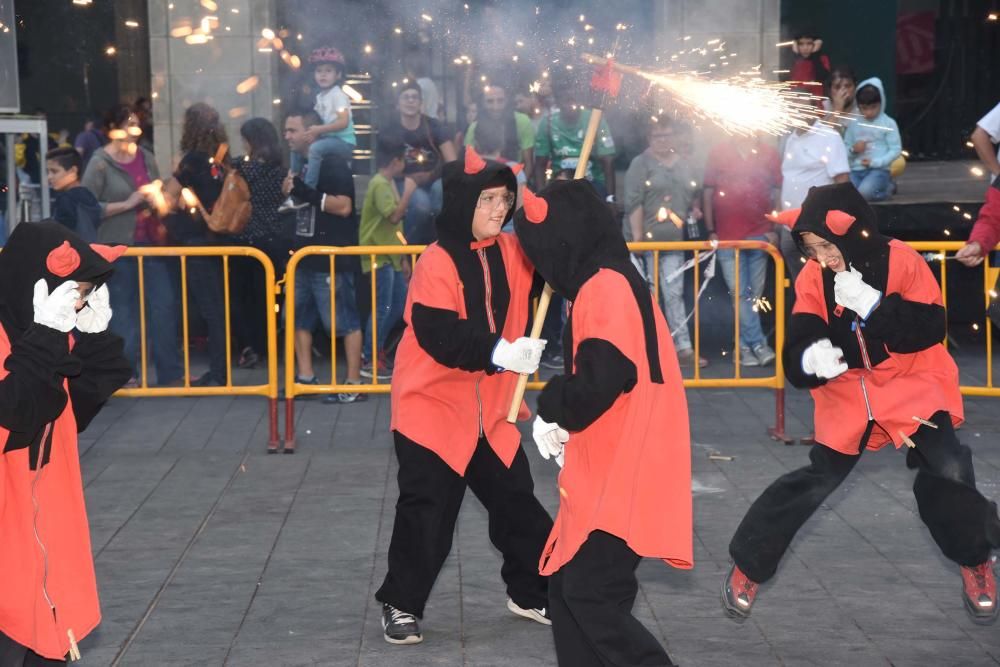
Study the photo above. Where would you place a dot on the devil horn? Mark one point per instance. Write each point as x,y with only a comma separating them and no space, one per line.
787,218
536,209
473,162
839,222
109,252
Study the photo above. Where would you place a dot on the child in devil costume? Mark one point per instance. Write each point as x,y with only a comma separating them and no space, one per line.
865,337
619,418
52,383
467,310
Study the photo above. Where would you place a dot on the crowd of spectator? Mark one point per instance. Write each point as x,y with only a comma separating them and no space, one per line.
108,189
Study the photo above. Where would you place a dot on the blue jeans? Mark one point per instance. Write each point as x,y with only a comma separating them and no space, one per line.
671,294
325,146
390,298
161,314
873,184
425,204
312,301
753,273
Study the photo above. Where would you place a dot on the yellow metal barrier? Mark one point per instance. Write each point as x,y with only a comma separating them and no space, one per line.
775,381
941,250
270,388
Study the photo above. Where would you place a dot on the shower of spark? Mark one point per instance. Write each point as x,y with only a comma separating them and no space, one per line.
744,104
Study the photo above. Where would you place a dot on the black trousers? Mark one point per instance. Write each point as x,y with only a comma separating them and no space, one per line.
430,496
13,654
590,601
962,522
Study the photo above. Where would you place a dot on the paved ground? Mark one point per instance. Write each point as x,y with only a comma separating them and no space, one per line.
210,552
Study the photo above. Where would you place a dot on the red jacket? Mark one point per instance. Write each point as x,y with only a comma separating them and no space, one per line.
628,472
445,408
986,231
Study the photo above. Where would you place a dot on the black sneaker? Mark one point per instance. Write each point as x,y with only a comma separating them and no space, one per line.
537,615
291,204
399,627
555,362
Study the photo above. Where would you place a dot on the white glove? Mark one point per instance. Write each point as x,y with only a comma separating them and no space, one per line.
824,360
851,292
521,356
550,439
57,310
96,315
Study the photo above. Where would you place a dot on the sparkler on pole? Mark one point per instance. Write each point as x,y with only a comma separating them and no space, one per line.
607,81
744,104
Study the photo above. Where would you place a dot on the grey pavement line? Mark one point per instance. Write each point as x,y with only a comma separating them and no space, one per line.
180,421
892,563
375,552
180,560
833,509
138,507
108,426
267,561
97,476
819,581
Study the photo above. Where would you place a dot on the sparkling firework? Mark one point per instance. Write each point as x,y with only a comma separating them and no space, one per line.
743,104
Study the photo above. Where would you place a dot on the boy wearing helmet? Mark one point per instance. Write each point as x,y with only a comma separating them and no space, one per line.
467,310
865,339
335,135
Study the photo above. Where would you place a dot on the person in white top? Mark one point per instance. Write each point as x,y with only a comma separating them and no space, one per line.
986,134
812,156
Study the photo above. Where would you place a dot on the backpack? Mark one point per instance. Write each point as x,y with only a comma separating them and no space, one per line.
232,209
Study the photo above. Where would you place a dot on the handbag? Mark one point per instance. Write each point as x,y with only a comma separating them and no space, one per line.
232,209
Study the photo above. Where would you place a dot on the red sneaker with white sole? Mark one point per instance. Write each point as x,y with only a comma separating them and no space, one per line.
979,592
738,593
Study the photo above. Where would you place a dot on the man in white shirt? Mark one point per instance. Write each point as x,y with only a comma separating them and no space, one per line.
812,156
986,134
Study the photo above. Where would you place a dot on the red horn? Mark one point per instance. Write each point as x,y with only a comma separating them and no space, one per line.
109,252
787,218
536,209
839,222
473,162
517,168
63,261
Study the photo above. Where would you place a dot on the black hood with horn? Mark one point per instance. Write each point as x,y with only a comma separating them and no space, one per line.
463,181
826,212
46,250
569,234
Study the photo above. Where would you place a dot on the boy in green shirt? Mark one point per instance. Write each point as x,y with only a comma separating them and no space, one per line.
381,214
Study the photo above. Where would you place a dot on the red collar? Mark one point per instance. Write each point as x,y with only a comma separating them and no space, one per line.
485,243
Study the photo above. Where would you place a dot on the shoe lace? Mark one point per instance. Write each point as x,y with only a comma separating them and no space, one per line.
400,616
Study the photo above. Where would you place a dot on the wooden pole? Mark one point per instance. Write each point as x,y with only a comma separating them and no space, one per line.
543,301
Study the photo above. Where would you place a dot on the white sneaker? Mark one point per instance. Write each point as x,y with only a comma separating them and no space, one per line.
536,615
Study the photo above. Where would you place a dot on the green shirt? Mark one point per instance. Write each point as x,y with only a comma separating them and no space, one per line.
563,143
525,134
376,228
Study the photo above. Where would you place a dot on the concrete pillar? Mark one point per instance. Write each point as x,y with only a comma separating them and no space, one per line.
183,73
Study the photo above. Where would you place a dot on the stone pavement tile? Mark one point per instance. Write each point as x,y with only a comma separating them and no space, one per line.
300,652
918,651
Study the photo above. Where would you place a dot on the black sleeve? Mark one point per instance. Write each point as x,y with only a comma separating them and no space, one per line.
906,326
602,374
104,371
804,329
451,341
32,393
335,178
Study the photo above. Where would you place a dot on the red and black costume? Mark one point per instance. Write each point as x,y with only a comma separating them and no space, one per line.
51,385
899,375
449,402
625,489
